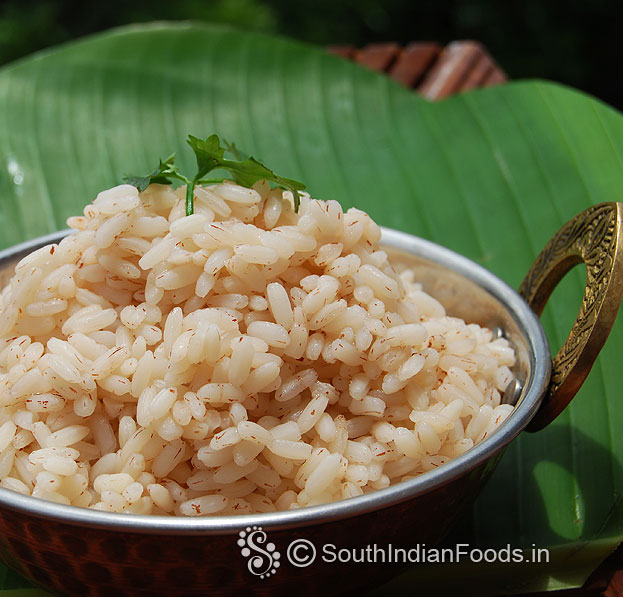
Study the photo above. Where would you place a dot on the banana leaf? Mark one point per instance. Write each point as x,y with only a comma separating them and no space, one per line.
491,174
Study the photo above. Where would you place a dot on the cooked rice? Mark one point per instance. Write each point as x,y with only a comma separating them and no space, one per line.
243,359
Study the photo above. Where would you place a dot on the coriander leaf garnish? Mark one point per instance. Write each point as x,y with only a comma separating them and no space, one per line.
231,147
163,174
210,155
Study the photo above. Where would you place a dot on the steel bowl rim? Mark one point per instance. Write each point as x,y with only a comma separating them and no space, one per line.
534,390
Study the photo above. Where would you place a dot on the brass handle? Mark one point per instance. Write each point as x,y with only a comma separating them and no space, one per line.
594,237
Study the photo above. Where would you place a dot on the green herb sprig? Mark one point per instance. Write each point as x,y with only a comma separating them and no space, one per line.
210,155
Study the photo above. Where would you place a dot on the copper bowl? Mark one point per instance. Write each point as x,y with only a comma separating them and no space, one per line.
76,551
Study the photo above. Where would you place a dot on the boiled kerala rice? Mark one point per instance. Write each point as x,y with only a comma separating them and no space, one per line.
243,359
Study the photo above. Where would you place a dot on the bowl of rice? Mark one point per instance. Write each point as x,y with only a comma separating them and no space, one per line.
183,397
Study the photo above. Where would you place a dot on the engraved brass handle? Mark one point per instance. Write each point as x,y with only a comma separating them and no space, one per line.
594,237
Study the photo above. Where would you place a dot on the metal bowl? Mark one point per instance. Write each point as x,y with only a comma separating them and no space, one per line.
79,551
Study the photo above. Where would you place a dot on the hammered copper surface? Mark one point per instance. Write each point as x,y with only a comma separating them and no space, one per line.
73,560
